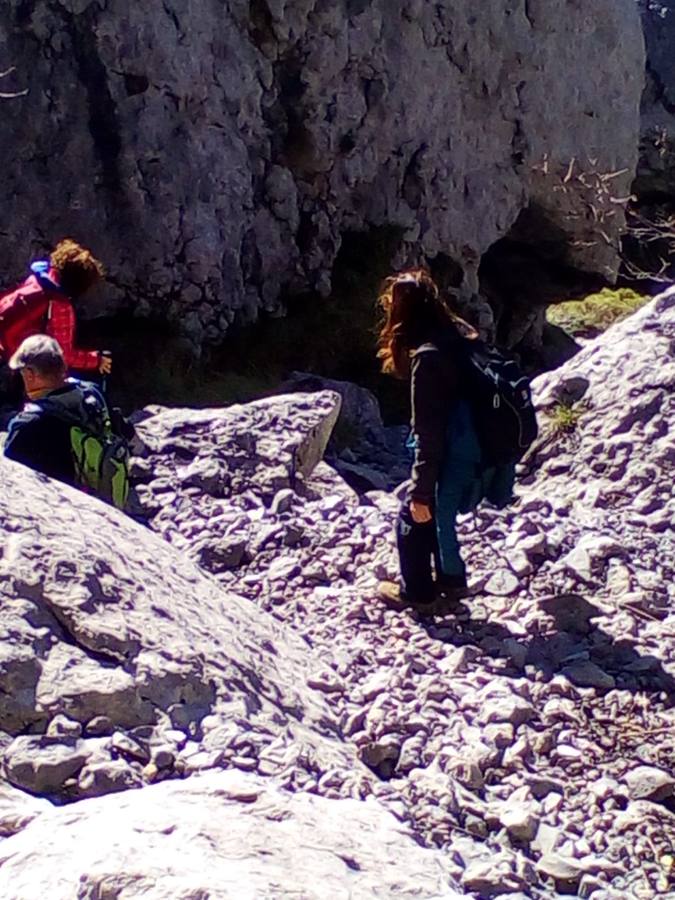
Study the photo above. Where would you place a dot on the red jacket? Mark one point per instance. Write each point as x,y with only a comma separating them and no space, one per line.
46,311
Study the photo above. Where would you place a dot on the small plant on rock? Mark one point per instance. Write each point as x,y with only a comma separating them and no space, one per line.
564,417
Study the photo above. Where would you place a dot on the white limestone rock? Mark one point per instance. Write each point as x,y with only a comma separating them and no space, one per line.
18,809
224,835
132,630
650,783
452,728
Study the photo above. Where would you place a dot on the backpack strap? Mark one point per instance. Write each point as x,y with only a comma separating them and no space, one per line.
426,348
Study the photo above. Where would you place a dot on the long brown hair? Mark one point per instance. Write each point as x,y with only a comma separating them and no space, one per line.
413,313
78,268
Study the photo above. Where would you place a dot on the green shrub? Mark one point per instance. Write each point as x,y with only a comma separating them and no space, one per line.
595,313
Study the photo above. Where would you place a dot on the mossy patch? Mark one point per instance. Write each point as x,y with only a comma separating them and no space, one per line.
595,313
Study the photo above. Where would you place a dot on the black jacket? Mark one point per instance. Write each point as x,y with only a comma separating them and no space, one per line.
42,440
436,386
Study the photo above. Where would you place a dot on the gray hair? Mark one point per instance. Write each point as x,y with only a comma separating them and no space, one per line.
41,353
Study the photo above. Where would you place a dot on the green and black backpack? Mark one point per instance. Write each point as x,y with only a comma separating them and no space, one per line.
100,451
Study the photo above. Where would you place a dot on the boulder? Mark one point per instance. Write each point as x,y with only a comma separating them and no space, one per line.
43,765
360,419
564,871
224,835
132,632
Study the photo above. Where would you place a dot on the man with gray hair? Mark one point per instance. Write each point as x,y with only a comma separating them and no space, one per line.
64,430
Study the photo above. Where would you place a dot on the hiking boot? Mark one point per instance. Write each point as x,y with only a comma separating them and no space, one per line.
450,589
425,610
395,598
392,595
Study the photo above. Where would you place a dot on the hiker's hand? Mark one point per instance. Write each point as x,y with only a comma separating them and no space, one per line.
420,512
105,366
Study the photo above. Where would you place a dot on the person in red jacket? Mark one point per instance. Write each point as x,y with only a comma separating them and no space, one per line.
42,304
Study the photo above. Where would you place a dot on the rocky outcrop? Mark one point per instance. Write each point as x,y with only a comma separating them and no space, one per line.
224,835
656,169
525,740
216,158
527,718
122,664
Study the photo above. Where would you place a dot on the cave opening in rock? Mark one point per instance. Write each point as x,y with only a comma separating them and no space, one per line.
521,275
152,362
334,337
447,273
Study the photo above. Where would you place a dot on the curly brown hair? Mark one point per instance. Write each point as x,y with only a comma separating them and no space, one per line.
77,267
413,313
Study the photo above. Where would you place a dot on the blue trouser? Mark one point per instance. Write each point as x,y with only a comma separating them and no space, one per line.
453,495
463,482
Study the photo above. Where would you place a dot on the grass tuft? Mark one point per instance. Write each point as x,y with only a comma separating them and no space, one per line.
564,419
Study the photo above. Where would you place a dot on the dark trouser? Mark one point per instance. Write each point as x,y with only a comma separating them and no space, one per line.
418,546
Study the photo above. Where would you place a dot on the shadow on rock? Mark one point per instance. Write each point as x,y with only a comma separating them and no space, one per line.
566,643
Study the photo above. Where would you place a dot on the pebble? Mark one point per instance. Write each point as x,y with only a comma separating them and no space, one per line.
649,783
520,820
585,673
502,584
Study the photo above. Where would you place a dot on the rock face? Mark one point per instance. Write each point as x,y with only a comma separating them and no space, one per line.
260,133
525,740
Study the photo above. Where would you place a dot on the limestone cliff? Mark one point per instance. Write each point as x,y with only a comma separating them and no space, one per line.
215,155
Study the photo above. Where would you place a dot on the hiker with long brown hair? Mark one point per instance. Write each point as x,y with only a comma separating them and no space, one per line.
422,340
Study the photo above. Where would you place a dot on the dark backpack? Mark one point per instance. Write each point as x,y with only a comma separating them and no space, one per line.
501,402
100,452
